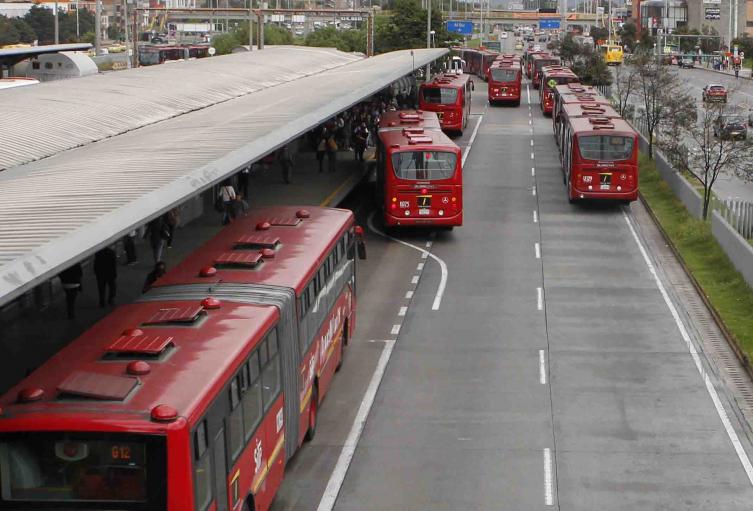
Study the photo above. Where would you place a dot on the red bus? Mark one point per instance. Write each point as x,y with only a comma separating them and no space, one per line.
477,62
449,95
419,172
538,62
195,397
575,93
551,76
600,159
528,62
504,80
575,110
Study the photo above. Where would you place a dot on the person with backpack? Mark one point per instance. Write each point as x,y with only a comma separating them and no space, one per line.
228,197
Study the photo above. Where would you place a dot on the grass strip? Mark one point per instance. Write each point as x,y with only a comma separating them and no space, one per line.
723,285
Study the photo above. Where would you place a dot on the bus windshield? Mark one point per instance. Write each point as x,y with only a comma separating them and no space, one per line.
504,75
440,95
424,165
605,147
68,468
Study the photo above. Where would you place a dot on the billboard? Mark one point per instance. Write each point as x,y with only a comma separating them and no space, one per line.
460,27
549,23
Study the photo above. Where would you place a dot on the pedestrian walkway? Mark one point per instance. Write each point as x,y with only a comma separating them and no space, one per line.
33,337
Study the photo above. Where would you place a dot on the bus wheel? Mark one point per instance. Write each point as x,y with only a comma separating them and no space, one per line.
312,414
248,505
569,195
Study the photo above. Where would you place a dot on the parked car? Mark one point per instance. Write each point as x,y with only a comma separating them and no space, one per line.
687,62
503,35
714,92
730,126
518,45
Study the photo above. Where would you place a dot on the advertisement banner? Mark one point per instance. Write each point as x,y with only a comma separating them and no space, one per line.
713,13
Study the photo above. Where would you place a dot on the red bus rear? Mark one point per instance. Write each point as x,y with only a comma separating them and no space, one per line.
600,159
504,80
420,175
195,397
551,76
538,63
449,95
528,62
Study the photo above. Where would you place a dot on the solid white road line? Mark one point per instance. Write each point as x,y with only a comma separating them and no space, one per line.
731,433
542,367
414,279
351,442
402,311
395,329
467,150
539,298
537,248
548,491
408,295
535,216
442,265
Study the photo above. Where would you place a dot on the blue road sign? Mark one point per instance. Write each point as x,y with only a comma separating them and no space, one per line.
550,23
460,27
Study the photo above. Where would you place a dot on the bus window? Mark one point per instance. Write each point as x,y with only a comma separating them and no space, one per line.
440,95
424,165
605,147
503,75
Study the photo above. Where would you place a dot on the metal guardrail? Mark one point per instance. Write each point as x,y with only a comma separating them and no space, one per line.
737,213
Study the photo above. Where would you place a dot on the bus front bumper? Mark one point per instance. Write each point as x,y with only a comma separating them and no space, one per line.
416,221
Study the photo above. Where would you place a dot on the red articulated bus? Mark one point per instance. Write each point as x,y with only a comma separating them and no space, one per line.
449,95
576,110
538,62
600,159
528,62
551,76
420,173
504,80
477,62
195,397
574,93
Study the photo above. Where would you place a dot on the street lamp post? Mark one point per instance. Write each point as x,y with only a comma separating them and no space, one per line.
428,36
57,31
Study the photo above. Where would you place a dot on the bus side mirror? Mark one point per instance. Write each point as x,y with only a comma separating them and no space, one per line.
360,244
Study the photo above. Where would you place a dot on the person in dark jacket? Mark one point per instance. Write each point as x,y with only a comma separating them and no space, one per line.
106,271
70,278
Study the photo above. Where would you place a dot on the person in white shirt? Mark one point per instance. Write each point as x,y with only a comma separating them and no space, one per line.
228,197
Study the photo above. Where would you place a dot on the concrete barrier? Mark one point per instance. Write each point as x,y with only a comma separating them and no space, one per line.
735,246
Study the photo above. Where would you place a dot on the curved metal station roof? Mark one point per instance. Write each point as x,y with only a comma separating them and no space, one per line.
65,206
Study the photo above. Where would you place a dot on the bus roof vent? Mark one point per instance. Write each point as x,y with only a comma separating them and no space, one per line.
148,345
419,140
257,241
238,260
603,126
409,132
410,115
602,121
592,107
284,221
89,385
187,314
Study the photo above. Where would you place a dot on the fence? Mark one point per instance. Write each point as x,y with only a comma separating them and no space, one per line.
737,213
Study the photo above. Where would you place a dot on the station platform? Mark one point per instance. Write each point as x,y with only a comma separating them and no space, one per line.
35,335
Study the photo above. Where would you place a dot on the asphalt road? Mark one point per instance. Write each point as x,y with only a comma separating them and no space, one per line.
553,373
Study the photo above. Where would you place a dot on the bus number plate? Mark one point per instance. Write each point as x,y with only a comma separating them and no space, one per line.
424,211
424,201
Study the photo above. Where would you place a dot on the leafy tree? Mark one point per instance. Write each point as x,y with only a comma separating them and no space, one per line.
67,24
406,28
42,21
599,34
628,35
89,37
647,41
569,49
224,43
114,33
8,32
272,34
25,32
590,67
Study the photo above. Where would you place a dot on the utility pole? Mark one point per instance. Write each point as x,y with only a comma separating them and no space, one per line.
57,30
125,23
251,25
98,27
428,37
77,29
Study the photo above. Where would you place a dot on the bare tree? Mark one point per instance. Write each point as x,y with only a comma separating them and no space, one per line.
624,86
717,143
660,91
